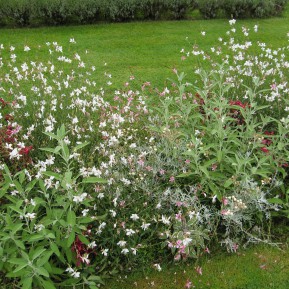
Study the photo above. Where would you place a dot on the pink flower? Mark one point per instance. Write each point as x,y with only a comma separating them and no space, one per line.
199,270
189,284
172,179
207,250
187,161
162,172
225,201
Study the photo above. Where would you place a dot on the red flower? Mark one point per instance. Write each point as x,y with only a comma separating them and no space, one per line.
264,149
25,150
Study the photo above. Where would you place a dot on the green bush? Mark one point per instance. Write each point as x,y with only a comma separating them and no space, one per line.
120,10
55,12
19,12
178,8
87,11
209,8
237,8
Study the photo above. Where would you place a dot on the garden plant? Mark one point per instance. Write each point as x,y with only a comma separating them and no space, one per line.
94,183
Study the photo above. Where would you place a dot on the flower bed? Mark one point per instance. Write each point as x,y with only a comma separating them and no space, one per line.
95,184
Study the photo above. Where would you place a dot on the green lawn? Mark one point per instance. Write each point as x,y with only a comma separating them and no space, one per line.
258,267
148,50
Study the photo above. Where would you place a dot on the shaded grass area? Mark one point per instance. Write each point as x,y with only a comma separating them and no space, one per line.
147,50
253,268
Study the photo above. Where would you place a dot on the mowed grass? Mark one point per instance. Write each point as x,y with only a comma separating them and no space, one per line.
260,267
147,50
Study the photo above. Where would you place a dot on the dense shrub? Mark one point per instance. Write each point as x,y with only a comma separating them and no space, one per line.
18,12
120,10
87,11
237,8
178,8
209,8
54,12
58,12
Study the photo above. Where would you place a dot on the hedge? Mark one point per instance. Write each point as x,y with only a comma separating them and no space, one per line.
59,12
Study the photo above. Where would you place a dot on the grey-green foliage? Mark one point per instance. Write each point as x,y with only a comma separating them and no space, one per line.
54,11
237,8
209,8
17,11
120,10
253,8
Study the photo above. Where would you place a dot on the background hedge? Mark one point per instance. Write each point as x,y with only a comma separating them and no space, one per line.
59,12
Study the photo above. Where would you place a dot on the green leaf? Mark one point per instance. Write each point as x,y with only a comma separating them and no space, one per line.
52,174
36,237
27,283
6,169
15,227
93,180
50,150
37,252
42,271
19,268
19,244
228,183
71,218
185,175
80,146
83,239
66,180
53,136
275,201
70,239
48,284
30,186
55,249
61,132
44,259
17,261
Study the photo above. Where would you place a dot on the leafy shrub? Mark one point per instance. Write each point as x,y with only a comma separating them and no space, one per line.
42,219
152,9
54,12
19,12
209,9
87,11
178,8
238,8
120,10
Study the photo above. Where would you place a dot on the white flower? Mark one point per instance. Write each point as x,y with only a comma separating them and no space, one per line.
187,241
133,146
84,212
85,259
121,243
75,274
79,199
203,33
165,220
92,245
124,251
232,21
30,216
134,217
144,226
104,252
129,232
158,267
71,40
26,48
